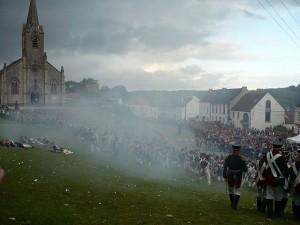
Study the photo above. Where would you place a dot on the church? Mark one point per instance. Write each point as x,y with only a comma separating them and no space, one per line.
32,80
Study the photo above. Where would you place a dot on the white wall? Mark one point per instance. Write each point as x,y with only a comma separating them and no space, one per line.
204,111
258,114
192,108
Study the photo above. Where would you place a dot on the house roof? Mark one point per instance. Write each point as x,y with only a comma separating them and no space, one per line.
223,95
138,101
248,101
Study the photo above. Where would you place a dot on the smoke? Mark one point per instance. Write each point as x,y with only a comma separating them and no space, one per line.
123,142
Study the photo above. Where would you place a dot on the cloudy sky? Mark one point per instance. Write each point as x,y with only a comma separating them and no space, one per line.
164,44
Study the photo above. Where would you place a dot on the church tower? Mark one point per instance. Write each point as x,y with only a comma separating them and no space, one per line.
33,39
32,80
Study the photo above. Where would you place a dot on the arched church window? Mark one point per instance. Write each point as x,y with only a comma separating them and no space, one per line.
53,85
268,111
14,86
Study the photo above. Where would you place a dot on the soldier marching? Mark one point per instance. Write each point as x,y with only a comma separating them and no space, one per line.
234,167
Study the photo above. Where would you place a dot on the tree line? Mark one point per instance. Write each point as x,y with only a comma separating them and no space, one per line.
89,88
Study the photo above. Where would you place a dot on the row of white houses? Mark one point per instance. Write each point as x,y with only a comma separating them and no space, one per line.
239,107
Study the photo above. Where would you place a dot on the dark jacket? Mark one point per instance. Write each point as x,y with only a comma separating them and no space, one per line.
282,165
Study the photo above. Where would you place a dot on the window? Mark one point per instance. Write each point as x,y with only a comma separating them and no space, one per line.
53,85
238,115
34,40
232,114
14,86
268,111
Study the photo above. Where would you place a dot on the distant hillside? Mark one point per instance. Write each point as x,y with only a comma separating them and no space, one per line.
170,98
287,97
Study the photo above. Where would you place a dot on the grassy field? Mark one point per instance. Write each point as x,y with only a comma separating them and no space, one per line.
45,188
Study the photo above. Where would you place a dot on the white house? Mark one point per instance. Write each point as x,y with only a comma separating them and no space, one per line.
216,104
257,109
192,108
142,108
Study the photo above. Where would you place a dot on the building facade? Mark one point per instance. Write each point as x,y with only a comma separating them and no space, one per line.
216,104
257,110
297,120
32,80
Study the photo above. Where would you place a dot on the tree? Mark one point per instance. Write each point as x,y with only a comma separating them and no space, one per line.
72,86
104,90
89,88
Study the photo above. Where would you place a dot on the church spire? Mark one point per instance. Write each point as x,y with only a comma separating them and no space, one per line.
32,18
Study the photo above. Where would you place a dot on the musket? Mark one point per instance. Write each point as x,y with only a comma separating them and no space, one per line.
226,184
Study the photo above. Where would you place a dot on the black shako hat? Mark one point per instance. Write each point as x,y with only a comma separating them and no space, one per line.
236,147
265,151
277,144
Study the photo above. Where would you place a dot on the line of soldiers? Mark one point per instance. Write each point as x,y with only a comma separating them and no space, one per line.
277,178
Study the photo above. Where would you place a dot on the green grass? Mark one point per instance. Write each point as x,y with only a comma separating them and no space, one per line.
41,187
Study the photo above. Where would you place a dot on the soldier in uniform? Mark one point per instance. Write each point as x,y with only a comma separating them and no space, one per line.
275,176
260,167
287,154
294,172
234,167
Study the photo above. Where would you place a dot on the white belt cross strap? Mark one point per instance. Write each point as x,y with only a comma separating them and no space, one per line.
297,173
260,171
271,160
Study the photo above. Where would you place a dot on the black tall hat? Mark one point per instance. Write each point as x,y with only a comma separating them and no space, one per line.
277,144
265,151
236,147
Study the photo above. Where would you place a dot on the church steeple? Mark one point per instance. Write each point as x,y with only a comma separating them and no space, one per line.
33,38
32,18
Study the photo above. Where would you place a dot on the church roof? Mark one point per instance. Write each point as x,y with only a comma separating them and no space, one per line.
221,96
12,64
248,101
32,18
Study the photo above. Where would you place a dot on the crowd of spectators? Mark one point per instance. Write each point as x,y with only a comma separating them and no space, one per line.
222,136
51,117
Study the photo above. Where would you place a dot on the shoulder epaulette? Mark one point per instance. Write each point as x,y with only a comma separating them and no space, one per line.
243,158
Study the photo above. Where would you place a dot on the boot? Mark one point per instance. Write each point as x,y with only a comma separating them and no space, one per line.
270,208
235,202
258,203
263,205
283,205
293,207
297,212
231,197
278,208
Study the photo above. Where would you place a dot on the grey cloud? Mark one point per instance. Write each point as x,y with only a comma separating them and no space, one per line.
116,27
158,31
193,69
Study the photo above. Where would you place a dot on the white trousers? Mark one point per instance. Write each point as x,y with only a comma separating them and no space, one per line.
275,193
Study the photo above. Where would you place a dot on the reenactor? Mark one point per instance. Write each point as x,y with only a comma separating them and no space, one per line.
261,165
286,152
276,176
294,172
234,167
